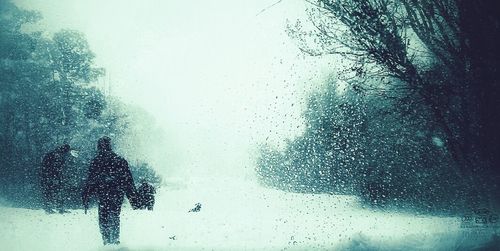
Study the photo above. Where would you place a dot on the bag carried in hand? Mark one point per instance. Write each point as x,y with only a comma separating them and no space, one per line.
145,196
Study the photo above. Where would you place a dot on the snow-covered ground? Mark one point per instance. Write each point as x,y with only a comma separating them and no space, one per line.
240,215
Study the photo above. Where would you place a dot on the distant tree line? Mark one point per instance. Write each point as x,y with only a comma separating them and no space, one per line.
434,67
48,97
352,145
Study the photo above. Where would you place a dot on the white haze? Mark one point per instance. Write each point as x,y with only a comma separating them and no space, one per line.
220,77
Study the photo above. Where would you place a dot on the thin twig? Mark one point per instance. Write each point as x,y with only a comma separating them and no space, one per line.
269,7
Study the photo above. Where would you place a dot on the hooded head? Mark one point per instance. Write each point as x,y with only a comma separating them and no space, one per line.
104,144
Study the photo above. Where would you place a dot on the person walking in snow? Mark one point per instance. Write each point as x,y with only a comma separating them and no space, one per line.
51,178
110,179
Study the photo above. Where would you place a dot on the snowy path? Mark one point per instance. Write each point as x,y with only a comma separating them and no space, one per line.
239,216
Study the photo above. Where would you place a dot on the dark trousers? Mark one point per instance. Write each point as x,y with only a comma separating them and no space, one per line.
52,198
109,217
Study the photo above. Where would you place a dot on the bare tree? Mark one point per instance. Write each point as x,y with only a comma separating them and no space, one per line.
439,54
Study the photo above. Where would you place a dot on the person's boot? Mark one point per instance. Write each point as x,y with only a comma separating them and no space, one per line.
106,239
114,236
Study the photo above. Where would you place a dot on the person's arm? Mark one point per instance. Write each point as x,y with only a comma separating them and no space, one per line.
43,169
58,166
129,185
89,185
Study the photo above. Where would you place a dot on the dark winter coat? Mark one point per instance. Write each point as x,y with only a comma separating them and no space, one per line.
109,176
51,171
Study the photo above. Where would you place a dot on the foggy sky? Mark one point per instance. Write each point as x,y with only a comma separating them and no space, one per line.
220,77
